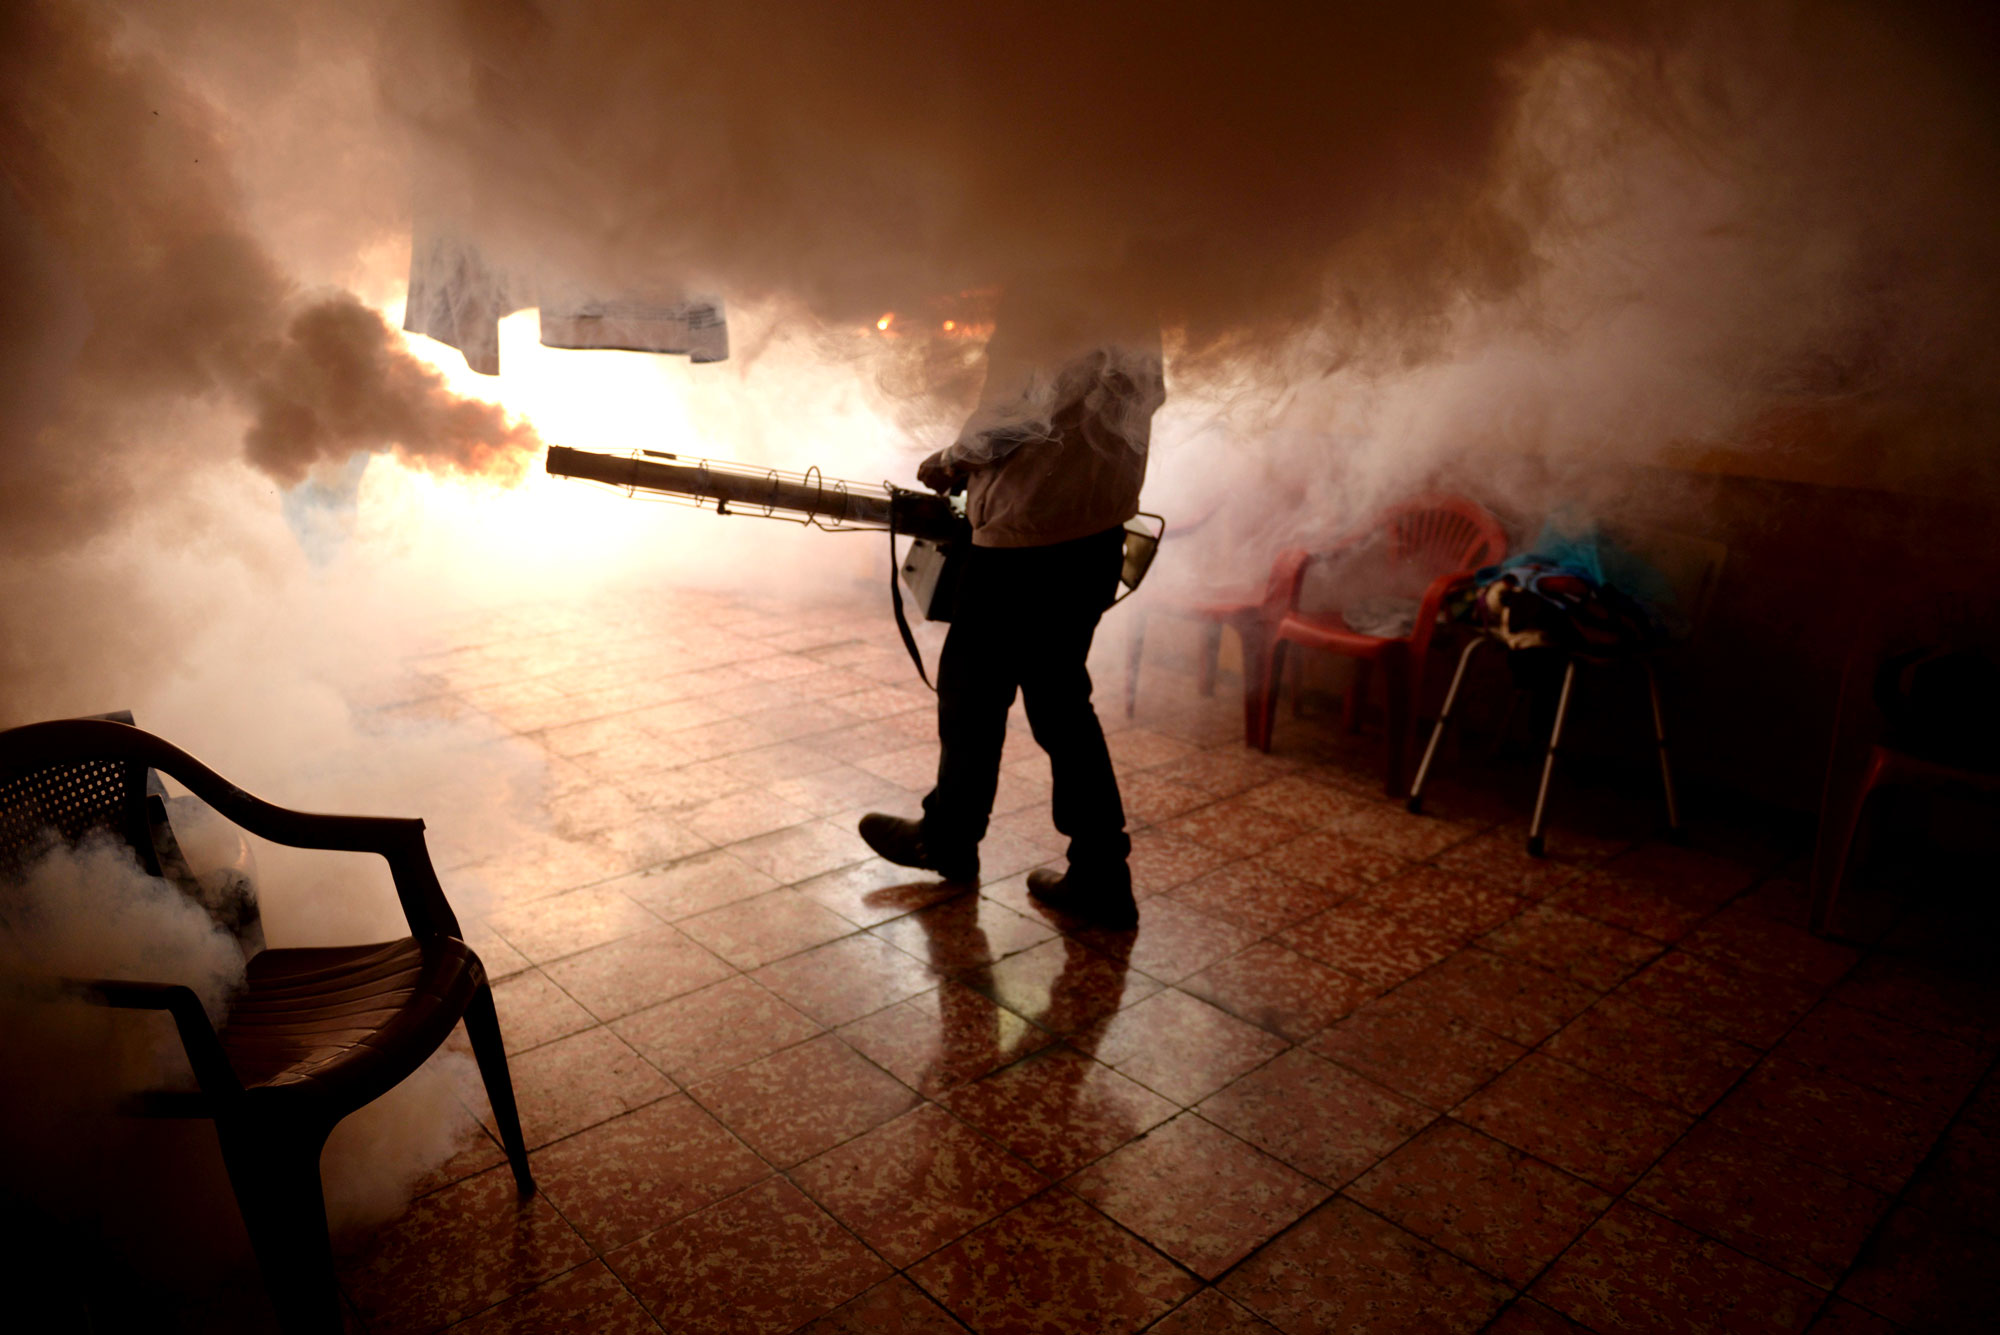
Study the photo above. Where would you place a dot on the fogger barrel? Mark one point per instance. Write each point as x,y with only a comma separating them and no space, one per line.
808,497
930,569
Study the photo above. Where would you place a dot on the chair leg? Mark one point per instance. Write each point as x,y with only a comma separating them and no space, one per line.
1535,844
1835,879
482,1026
1261,711
1209,657
1416,802
1357,696
1397,677
275,1172
1822,908
1135,647
1666,764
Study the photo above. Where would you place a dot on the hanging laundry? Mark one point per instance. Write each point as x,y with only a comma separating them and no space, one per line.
695,329
458,297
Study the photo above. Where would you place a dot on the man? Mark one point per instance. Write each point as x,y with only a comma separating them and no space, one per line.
1052,464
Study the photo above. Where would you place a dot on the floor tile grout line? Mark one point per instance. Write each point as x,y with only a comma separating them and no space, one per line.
1620,1196
1624,1195
1521,1290
1899,1198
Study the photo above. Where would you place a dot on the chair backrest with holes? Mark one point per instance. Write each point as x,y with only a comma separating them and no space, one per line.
48,807
72,802
1440,534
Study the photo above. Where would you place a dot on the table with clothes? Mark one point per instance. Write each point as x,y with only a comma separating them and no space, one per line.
1573,596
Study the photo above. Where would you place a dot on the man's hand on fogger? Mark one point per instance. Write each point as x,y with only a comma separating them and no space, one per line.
939,474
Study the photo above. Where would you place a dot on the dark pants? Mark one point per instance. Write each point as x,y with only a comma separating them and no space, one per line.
1023,621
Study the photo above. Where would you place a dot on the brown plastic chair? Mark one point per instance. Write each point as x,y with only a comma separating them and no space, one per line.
315,1033
1437,540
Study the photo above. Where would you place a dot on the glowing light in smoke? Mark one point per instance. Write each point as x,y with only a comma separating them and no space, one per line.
792,408
883,323
599,400
595,401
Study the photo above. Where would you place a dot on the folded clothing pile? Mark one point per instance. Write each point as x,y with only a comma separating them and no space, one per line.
1573,593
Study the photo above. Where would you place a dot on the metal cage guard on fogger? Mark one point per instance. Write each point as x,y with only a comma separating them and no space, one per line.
936,525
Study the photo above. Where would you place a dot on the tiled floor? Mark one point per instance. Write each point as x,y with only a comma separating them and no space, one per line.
1358,1070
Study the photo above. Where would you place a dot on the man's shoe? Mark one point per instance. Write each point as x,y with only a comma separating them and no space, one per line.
1100,897
902,842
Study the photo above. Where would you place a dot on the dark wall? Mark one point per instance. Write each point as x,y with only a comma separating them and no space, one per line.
1811,573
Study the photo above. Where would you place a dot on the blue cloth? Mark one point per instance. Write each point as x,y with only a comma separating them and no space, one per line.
1574,590
1569,542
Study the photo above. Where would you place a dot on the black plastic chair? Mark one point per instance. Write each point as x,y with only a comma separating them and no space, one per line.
315,1033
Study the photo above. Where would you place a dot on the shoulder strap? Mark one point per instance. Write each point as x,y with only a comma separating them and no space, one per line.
896,600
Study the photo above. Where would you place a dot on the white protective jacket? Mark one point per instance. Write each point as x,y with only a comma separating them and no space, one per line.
1058,455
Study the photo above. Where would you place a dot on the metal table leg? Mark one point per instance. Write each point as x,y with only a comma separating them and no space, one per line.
1666,765
1535,845
1416,802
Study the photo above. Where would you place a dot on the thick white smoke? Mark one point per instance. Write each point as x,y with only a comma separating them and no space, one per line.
1512,245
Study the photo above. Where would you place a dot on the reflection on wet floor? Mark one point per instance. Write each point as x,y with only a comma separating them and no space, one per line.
1357,1070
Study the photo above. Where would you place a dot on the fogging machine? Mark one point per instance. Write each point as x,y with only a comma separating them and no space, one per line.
936,525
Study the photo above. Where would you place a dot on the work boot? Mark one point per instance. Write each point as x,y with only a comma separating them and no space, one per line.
902,842
1100,896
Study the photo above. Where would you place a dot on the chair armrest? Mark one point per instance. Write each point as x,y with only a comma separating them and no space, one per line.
1288,572
397,840
1354,537
198,1038
1281,590
1432,607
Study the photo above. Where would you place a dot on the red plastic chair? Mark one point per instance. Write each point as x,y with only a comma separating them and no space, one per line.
1842,822
1859,770
1441,540
1242,610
